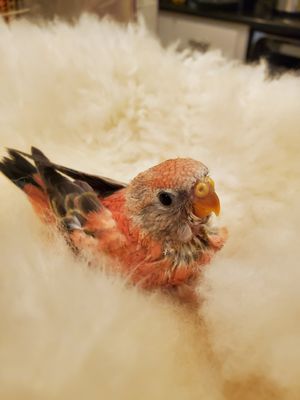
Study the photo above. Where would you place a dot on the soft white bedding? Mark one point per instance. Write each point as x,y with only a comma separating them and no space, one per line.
111,101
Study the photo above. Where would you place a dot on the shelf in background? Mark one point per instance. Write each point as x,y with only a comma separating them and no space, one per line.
14,13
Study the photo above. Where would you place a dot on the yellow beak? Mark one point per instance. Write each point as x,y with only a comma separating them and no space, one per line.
205,199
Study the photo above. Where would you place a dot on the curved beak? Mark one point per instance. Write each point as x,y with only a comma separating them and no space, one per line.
204,206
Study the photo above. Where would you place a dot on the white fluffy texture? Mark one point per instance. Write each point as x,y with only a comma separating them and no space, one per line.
111,101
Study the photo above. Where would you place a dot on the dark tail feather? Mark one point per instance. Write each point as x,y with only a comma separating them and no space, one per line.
56,184
18,169
103,186
43,164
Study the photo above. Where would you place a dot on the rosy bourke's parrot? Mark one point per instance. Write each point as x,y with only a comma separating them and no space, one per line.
156,230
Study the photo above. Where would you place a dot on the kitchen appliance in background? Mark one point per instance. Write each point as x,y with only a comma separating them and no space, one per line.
280,52
216,2
288,6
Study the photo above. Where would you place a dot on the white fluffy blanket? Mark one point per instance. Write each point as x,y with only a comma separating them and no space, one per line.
111,101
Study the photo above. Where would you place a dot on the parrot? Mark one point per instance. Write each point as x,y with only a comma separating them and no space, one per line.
156,230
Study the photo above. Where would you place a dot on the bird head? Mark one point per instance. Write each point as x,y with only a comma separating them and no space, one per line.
171,199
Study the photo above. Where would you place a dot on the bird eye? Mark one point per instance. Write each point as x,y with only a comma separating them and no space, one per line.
165,198
201,189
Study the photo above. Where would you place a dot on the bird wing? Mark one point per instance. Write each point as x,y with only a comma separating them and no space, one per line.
76,203
70,198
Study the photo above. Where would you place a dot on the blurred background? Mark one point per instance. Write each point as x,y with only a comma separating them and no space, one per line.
247,30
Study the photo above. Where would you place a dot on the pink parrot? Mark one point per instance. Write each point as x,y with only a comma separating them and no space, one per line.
156,230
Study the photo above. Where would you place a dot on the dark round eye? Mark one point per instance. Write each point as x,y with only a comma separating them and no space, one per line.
165,198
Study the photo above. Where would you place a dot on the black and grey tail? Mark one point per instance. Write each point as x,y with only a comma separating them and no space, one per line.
20,171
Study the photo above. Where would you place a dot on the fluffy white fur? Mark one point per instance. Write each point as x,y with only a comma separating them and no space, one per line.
110,100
